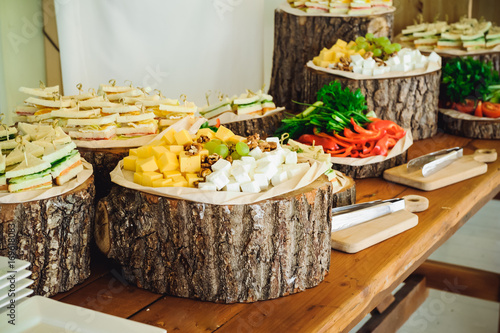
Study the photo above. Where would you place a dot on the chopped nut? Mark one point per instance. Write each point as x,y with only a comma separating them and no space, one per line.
273,145
229,158
213,158
368,55
203,139
205,172
192,149
264,146
205,165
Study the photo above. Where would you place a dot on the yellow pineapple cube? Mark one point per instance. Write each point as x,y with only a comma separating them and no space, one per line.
129,162
132,152
329,56
325,64
183,137
362,52
351,44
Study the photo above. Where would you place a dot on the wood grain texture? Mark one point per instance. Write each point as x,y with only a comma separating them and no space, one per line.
478,129
54,235
264,126
371,170
411,102
297,39
103,160
222,253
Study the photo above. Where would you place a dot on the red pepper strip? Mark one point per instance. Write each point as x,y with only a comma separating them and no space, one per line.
355,153
381,147
325,142
360,129
345,154
368,147
337,141
389,126
392,142
361,139
218,123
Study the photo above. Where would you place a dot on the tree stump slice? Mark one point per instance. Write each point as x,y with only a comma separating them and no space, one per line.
54,235
371,170
264,126
298,39
103,160
411,102
493,56
221,253
453,122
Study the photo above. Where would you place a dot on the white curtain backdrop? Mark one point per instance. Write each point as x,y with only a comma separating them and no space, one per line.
179,47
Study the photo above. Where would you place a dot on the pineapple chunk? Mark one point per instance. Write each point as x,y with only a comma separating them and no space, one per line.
129,162
351,44
236,138
132,152
341,43
362,52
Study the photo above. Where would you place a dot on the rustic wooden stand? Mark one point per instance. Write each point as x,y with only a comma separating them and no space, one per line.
297,39
265,126
221,253
54,236
451,122
370,170
411,102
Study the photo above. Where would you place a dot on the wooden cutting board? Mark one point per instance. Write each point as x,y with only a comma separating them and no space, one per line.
364,235
466,167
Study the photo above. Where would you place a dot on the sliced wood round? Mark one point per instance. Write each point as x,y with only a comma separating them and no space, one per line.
265,126
298,39
411,102
371,170
221,253
54,235
455,123
103,160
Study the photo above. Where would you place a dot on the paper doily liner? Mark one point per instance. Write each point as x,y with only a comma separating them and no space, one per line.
431,67
285,6
231,117
55,190
466,116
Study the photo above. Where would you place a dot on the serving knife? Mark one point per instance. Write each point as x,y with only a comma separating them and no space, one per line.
433,162
348,216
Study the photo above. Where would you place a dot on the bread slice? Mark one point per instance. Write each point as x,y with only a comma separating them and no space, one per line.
17,155
136,118
54,153
29,165
31,184
72,172
102,133
48,102
58,167
47,92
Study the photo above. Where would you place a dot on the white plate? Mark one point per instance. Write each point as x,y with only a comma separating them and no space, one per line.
19,295
19,276
7,267
19,285
43,315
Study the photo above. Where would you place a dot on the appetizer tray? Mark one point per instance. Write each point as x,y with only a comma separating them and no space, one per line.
462,124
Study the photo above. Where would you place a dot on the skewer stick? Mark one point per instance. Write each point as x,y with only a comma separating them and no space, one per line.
470,9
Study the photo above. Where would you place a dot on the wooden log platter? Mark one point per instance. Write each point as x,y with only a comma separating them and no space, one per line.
221,253
371,170
297,39
103,160
54,235
264,126
411,102
456,123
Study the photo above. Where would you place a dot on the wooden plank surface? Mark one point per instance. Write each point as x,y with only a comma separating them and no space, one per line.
356,284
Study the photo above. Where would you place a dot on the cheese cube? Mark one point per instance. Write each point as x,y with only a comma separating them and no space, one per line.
183,137
218,178
189,163
408,67
132,152
144,152
357,69
155,143
205,186
163,182
146,164
221,165
171,174
279,178
329,55
324,64
129,163
250,187
369,64
378,71
138,178
262,181
206,132
240,174
167,162
351,44
362,52
158,151
149,177
192,178
434,57
223,133
204,152
341,43
356,59
268,169
291,158
255,153
406,59
179,181
367,71
176,149
170,136
232,186
419,65
236,138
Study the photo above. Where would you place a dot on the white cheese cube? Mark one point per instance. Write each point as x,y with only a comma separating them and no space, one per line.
419,65
279,178
255,153
357,69
406,59
394,61
291,158
278,156
250,187
248,159
407,67
262,181
218,178
292,170
232,186
205,186
434,57
367,71
221,165
269,157
369,63
274,139
397,68
240,174
378,71
357,60
268,169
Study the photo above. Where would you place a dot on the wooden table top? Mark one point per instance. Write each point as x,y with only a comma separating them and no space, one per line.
355,285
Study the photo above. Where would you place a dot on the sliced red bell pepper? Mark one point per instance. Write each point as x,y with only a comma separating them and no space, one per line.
325,142
491,110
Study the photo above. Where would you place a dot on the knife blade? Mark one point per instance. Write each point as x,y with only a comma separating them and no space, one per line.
349,216
419,162
442,162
